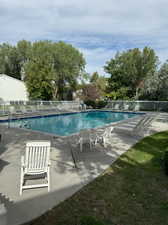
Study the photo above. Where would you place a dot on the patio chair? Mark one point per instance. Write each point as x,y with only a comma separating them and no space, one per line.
116,107
86,136
35,163
136,108
126,107
104,137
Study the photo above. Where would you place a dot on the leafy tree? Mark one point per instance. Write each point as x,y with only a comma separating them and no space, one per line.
100,82
84,78
156,86
121,93
12,58
23,54
129,69
9,62
38,69
163,81
44,64
23,51
69,65
94,77
62,63
91,92
39,79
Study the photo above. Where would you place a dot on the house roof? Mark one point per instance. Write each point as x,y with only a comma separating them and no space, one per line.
4,75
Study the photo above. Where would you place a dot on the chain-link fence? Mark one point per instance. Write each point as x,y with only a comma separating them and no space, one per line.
161,106
9,107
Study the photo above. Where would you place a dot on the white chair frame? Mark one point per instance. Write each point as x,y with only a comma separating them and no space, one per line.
87,137
105,135
35,162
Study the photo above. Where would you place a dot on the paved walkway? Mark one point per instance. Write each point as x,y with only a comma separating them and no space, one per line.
65,179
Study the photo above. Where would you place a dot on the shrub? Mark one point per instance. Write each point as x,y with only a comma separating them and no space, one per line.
101,104
166,162
90,103
89,220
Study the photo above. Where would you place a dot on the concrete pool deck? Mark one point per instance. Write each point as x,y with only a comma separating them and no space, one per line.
65,179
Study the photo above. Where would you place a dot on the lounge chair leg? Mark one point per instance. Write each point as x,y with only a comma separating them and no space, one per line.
90,145
104,142
21,181
48,178
81,145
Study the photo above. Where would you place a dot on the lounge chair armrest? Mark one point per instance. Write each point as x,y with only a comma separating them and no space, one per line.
97,136
22,161
80,139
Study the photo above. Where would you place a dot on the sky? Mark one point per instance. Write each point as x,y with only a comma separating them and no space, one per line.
97,28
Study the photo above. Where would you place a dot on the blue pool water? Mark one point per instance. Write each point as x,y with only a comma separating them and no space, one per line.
68,124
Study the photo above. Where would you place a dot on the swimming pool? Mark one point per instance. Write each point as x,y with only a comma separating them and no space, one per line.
67,124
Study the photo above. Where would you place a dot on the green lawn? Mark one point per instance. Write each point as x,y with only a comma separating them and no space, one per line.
133,191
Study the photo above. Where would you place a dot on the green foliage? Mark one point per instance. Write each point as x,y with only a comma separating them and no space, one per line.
39,79
84,78
166,162
155,87
45,64
62,64
96,104
100,82
90,102
9,61
89,220
91,92
69,65
101,104
129,69
23,51
94,77
12,58
121,93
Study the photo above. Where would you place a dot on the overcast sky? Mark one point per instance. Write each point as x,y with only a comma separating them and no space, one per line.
97,28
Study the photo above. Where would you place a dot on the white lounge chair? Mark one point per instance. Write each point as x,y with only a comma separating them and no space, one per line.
136,108
126,107
87,137
116,107
136,127
35,161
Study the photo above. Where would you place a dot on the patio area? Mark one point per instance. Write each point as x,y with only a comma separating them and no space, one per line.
65,178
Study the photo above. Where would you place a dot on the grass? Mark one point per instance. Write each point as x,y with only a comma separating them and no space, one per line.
132,191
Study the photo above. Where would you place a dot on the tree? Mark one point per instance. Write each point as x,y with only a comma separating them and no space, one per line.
12,58
100,82
24,54
39,71
69,65
156,86
94,77
39,79
129,69
62,63
9,62
91,92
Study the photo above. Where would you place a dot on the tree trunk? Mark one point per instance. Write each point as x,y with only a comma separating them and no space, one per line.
137,94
